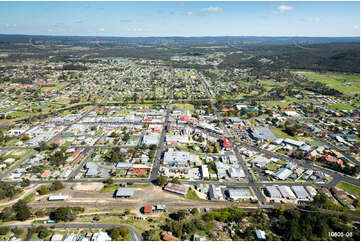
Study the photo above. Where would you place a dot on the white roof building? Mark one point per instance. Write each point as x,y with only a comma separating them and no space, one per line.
282,174
205,172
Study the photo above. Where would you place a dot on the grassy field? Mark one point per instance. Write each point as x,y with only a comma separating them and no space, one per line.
280,134
111,188
341,106
192,195
336,81
352,189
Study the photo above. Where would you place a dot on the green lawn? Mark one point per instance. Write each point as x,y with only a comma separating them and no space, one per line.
110,188
272,166
280,134
192,195
336,81
352,189
341,106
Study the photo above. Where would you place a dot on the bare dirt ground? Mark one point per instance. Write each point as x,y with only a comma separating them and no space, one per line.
88,186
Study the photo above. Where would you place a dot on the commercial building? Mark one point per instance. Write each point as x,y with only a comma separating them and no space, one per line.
176,188
262,133
239,193
124,192
282,174
300,192
272,192
286,192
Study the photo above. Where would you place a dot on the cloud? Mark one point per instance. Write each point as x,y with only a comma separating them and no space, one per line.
125,20
355,27
10,25
101,29
317,20
7,25
189,13
211,9
283,9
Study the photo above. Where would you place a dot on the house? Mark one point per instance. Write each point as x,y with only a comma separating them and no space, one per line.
124,192
101,236
56,237
167,236
225,143
197,237
260,234
148,209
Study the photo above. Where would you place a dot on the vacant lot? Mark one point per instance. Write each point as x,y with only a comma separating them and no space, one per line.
352,189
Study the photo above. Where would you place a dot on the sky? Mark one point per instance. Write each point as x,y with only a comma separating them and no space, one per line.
139,19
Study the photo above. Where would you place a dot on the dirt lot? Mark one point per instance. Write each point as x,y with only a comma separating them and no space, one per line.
88,186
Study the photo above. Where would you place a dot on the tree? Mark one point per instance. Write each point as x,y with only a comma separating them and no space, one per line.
22,211
44,189
109,181
4,230
43,232
181,215
43,146
162,181
65,214
25,182
175,180
56,186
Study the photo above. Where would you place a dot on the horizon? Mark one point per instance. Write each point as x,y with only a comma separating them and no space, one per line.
181,19
179,36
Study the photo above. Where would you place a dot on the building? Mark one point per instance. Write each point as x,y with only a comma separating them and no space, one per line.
58,197
124,192
57,237
205,172
236,172
147,209
300,192
101,236
272,192
286,192
260,234
312,191
150,140
260,161
239,193
176,188
282,174
214,192
262,133
167,236
294,143
176,158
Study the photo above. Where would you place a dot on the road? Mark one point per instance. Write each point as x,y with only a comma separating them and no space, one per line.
249,176
135,235
160,148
